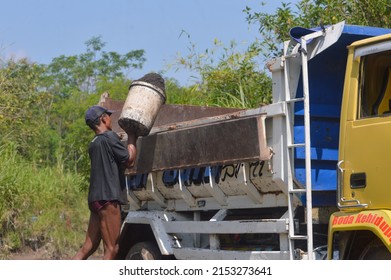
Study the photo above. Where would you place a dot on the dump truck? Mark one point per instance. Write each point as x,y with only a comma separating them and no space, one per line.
305,177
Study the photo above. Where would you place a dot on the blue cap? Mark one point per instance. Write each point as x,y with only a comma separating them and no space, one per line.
95,112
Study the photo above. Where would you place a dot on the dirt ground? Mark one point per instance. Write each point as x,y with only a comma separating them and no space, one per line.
46,254
30,254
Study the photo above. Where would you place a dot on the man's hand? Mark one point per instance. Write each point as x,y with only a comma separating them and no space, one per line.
132,139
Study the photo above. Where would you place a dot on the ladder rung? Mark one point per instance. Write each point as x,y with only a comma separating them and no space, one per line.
299,237
294,55
298,191
295,100
296,145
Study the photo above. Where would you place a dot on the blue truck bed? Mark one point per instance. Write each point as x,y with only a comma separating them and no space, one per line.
326,80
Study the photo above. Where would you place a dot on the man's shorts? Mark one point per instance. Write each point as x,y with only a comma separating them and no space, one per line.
95,206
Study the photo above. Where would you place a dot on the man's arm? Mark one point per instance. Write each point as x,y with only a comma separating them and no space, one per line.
131,146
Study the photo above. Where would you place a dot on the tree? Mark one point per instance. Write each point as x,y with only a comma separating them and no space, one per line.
82,72
23,106
274,28
234,80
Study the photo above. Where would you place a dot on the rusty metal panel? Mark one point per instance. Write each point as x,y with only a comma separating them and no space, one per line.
225,142
185,136
170,114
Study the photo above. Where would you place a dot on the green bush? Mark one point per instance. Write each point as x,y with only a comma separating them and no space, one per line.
39,206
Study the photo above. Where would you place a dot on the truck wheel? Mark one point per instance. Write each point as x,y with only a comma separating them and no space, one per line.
375,251
144,251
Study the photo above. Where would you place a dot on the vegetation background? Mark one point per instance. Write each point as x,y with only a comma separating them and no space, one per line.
44,166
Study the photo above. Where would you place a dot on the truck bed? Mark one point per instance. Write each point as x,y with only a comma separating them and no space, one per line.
207,153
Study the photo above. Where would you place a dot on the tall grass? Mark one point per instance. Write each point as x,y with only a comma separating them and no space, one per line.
39,207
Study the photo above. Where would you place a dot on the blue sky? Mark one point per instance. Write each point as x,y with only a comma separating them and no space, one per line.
44,29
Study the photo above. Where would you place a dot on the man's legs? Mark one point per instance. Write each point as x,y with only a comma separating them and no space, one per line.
110,227
93,238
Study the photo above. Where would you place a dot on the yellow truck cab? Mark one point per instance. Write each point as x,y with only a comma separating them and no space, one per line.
362,227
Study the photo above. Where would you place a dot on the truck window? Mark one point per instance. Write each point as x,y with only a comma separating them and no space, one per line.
375,85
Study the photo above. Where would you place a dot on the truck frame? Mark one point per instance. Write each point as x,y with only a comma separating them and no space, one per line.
297,179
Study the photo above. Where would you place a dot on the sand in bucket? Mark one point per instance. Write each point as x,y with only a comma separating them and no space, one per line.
145,97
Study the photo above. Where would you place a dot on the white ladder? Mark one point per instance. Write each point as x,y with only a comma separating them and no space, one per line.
293,190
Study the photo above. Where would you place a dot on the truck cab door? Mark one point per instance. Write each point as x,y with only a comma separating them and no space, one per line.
365,147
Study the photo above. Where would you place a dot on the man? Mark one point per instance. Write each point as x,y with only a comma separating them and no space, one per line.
108,158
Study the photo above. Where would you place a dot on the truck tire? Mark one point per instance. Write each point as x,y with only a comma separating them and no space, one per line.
375,250
144,251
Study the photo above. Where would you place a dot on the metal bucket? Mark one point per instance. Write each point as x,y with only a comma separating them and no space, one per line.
141,107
